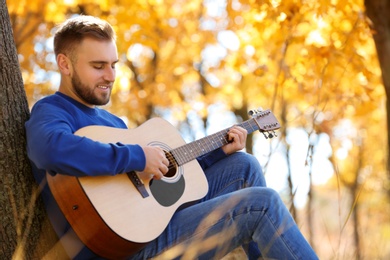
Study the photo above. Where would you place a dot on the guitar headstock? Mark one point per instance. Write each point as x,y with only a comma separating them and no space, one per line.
266,121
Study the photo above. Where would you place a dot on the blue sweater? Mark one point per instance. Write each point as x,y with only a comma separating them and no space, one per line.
53,147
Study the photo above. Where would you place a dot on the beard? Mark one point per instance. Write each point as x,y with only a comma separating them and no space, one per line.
88,95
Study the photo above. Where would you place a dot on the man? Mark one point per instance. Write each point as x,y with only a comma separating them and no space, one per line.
86,55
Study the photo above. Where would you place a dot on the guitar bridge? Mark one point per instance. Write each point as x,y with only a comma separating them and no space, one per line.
138,184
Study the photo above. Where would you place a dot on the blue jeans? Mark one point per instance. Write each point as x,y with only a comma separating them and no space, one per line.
238,211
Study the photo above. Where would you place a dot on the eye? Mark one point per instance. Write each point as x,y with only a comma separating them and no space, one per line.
98,67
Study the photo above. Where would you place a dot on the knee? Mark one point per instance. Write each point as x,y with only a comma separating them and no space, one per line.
247,159
263,198
252,167
269,196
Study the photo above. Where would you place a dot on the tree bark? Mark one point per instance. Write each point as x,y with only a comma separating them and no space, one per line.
22,215
379,13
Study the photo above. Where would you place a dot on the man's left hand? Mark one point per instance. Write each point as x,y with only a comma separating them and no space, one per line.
237,140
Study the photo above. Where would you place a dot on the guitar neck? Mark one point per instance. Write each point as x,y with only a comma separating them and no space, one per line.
193,150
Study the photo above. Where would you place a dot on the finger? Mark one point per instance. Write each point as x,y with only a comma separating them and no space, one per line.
163,169
158,175
238,140
165,161
240,133
234,136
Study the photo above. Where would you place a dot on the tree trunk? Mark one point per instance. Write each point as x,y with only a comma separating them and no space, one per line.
379,13
291,192
356,225
23,219
310,195
355,206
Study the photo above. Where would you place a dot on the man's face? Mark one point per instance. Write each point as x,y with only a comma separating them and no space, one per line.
94,71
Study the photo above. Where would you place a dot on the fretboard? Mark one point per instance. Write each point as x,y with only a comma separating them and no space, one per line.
191,151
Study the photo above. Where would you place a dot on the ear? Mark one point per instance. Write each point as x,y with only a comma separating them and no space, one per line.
64,64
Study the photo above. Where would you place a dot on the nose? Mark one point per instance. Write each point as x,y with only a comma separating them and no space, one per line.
109,74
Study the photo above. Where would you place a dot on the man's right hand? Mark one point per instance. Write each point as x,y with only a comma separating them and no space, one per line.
156,162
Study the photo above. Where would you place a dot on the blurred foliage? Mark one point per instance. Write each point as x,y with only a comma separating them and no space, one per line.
312,62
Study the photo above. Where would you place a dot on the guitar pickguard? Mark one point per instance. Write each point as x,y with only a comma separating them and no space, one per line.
165,193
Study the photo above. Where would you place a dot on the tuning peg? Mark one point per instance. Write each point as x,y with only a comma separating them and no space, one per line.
255,111
252,112
272,134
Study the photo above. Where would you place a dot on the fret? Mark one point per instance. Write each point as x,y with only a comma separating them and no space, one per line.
208,144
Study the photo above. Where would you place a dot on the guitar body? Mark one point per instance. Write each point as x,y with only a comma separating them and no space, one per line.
108,213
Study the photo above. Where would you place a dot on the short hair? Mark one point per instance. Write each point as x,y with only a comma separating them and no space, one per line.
73,31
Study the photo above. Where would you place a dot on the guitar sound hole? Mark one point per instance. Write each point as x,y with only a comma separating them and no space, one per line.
172,168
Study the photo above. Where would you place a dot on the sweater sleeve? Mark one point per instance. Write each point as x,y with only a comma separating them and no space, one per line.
210,158
52,146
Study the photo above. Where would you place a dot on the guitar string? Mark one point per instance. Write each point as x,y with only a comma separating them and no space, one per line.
249,125
173,161
200,149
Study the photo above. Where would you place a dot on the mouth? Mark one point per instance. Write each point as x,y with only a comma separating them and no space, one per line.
104,87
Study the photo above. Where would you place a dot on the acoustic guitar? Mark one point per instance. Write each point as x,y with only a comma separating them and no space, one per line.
115,216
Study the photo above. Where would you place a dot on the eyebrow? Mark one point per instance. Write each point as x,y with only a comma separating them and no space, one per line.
102,62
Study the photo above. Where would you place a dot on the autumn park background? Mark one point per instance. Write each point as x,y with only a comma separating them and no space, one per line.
321,66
